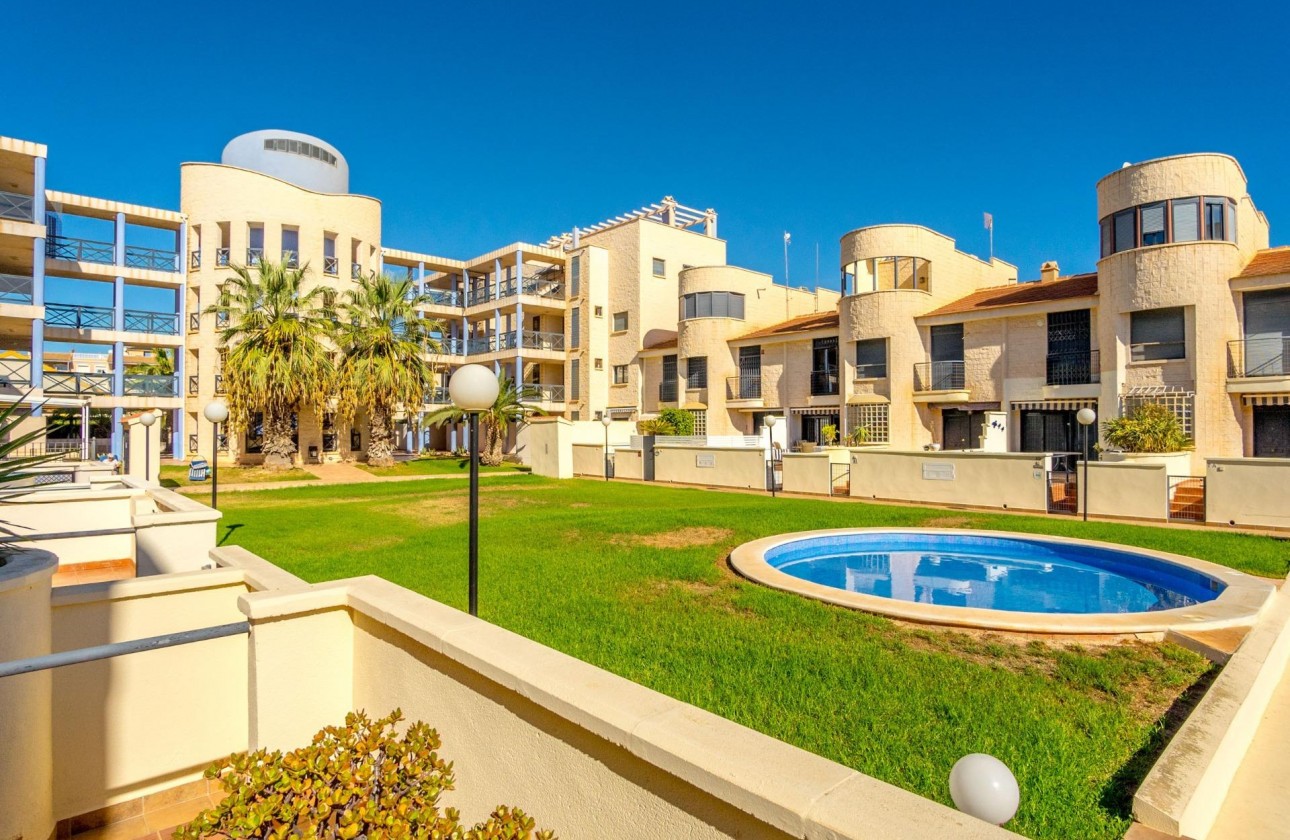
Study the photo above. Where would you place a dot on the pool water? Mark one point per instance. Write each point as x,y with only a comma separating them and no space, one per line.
994,573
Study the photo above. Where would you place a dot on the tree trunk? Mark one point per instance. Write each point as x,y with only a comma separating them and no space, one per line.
380,446
278,447
493,436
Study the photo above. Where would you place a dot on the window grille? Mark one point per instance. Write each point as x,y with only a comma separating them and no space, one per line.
1180,403
700,422
870,416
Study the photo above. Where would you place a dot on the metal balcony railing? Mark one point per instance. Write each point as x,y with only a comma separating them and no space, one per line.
824,382
80,250
195,259
531,340
745,386
291,259
219,383
447,347
15,288
667,391
158,323
254,255
1081,368
221,257
549,393
438,396
221,320
77,317
1250,358
192,443
152,259
442,297
17,206
150,385
194,321
14,372
78,383
192,385
939,376
355,271
477,346
331,266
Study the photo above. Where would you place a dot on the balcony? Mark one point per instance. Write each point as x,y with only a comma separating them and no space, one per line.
152,259
157,323
80,384
1078,368
219,384
221,257
548,393
667,391
824,383
543,284
76,317
195,260
442,297
479,346
291,259
192,385
15,372
104,253
331,266
939,376
355,271
15,289
1253,358
438,396
745,386
194,321
149,385
16,206
448,347
553,341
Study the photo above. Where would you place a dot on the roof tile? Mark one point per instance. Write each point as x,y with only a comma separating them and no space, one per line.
804,323
1019,294
1268,261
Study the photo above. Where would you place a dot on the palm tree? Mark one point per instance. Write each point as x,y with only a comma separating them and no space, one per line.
382,364
163,364
493,424
279,360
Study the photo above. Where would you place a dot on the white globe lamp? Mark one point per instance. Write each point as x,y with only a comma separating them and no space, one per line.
216,411
983,787
473,388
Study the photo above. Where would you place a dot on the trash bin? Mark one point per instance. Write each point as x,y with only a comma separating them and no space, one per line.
199,470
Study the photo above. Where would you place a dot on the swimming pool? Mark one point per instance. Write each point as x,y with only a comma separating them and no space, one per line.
1004,580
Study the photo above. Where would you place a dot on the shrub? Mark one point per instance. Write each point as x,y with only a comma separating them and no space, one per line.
830,434
359,779
679,419
1150,428
859,436
655,427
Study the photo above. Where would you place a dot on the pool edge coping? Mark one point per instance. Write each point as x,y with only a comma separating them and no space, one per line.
1243,598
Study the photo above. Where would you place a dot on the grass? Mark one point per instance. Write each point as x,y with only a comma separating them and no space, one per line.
633,578
176,475
437,465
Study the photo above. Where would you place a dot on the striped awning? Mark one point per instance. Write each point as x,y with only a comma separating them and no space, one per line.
1054,405
1266,399
622,411
818,410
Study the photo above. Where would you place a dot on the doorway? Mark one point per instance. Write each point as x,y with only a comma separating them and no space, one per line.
962,429
1272,431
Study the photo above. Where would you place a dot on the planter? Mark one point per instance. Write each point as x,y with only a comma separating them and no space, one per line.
1175,463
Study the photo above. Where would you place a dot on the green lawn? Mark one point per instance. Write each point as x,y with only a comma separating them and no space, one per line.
633,578
438,466
176,475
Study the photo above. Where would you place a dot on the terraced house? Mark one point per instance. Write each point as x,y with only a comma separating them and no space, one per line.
923,345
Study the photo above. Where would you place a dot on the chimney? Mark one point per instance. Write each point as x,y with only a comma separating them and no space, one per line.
1048,272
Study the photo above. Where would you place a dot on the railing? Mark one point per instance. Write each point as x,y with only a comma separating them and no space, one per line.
195,259
476,346
78,383
159,323
542,340
355,271
194,321
221,257
745,386
824,382
17,206
549,393
839,479
219,383
545,286
192,443
1255,357
14,372
438,396
221,320
192,385
449,347
1078,368
331,266
69,448
77,317
730,441
291,259
15,289
939,376
254,255
1063,492
150,385
222,444
442,297
667,391
80,250
1186,498
152,259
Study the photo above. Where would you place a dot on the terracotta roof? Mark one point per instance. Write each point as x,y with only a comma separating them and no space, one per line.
1268,261
1018,294
660,340
804,323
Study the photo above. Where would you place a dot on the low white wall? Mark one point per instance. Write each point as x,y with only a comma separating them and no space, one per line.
629,463
173,533
1248,492
1127,489
589,459
1013,480
806,473
74,523
724,466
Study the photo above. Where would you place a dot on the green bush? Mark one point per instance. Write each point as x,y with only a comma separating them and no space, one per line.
655,427
829,433
359,779
1150,428
679,419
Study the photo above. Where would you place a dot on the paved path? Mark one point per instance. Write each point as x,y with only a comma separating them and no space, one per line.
1258,805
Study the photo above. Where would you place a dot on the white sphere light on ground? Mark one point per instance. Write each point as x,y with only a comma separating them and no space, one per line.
216,411
148,418
983,787
473,388
1086,416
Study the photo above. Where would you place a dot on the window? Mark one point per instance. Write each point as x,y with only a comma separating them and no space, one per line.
712,305
600,364
1125,230
1186,212
660,267
575,332
255,434
255,243
667,386
599,311
871,358
1177,220
824,366
696,372
575,379
1153,224
873,419
1214,211
1108,244
620,374
575,276
299,147
291,247
887,273
1157,334
620,322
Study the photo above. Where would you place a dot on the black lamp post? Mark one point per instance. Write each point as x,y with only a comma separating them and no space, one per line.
472,389
216,412
1086,417
770,436
605,419
148,419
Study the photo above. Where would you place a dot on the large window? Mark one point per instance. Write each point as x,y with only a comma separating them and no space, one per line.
1156,334
886,273
824,366
696,372
1178,220
712,305
871,358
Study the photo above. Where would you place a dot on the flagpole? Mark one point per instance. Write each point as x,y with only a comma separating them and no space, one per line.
787,239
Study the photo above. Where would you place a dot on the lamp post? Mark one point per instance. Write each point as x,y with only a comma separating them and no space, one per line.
770,436
1086,417
606,420
216,412
148,418
472,389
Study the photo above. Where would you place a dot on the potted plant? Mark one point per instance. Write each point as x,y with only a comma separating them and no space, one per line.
1151,433
830,434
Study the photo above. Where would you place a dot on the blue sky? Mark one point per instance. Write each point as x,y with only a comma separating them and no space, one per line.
482,123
